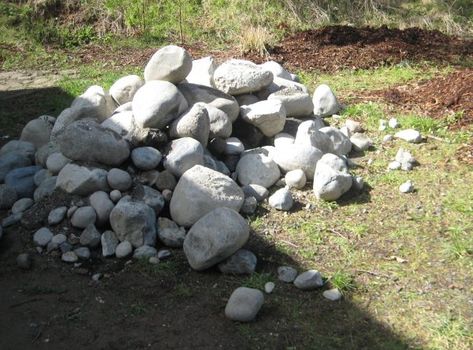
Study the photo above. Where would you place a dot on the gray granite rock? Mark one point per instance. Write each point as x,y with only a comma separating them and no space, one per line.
83,217
244,304
309,280
243,262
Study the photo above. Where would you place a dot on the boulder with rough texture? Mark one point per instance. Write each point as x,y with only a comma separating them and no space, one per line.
297,156
202,71
287,274
170,63
170,234
87,141
184,153
157,103
257,169
331,178
243,262
236,77
38,131
134,221
215,237
340,142
244,304
268,116
22,180
194,123
80,180
197,93
325,102
296,103
123,90
208,189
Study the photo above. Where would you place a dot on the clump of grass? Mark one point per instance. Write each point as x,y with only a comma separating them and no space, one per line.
257,280
343,281
256,40
460,243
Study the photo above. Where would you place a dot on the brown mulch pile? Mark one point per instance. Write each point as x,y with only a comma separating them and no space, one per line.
343,47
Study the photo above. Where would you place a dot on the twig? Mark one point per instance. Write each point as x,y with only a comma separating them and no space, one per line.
337,232
374,273
289,243
436,138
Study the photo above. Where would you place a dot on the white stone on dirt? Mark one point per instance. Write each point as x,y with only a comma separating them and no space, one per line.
296,103
394,165
69,257
57,215
295,179
146,158
268,116
332,294
22,205
157,103
244,304
83,217
215,237
297,156
88,141
38,131
281,200
243,262
409,135
393,123
90,236
123,90
257,169
42,237
119,179
208,189
405,159
309,280
56,162
82,253
109,242
202,71
145,252
170,63
134,221
236,77
325,102
406,187
170,233
269,287
184,153
287,274
123,250
80,180
24,261
194,123
331,179
360,142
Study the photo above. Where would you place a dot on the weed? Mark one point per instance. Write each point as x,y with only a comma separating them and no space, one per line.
256,40
343,281
257,280
460,243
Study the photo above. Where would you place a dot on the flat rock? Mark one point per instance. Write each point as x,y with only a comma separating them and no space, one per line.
268,116
21,205
145,252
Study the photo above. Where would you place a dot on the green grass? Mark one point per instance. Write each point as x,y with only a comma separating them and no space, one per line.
257,280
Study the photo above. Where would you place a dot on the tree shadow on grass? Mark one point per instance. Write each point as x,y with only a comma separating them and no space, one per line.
18,107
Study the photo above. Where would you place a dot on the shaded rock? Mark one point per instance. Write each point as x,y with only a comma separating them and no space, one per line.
244,304
123,249
360,142
153,199
194,123
82,253
83,217
233,146
220,122
22,181
249,205
165,181
184,153
57,215
260,193
26,149
115,196
69,257
8,197
287,274
21,205
11,220
38,131
42,154
11,161
243,262
40,176
309,280
24,261
208,189
56,162
341,143
90,236
109,243
332,294
170,234
102,205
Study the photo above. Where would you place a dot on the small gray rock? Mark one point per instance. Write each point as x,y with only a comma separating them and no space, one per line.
58,239
332,294
256,191
249,205
82,253
406,187
123,249
90,236
360,142
281,200
42,237
170,234
145,252
21,205
287,274
244,304
295,179
45,189
11,220
119,179
165,181
109,242
309,280
269,287
69,257
184,153
115,196
57,215
409,135
146,158
80,180
40,176
83,217
243,262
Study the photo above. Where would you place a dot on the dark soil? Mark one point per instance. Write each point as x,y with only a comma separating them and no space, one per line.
342,47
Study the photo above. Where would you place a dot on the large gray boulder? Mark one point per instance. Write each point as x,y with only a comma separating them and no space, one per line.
123,90
183,154
202,71
236,77
157,103
194,123
325,102
197,93
340,142
208,189
88,141
38,131
134,221
331,178
21,179
170,63
297,103
215,237
268,116
80,180
257,169
297,156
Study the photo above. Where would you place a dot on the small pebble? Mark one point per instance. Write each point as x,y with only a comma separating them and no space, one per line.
406,187
332,294
269,287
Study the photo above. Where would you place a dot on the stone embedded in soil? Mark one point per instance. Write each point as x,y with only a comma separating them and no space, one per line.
145,252
83,217
241,263
24,261
102,205
170,233
287,274
82,253
123,249
69,257
244,304
406,187
57,215
42,237
332,294
146,158
309,280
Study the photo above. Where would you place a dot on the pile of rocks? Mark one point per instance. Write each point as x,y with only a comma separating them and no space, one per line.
177,157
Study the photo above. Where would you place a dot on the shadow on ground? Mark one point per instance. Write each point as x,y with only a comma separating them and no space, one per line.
17,107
